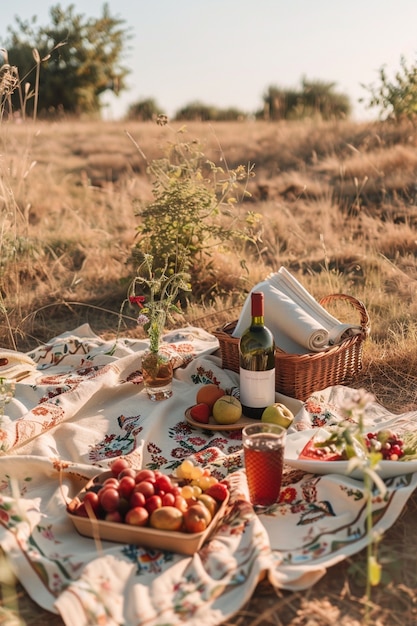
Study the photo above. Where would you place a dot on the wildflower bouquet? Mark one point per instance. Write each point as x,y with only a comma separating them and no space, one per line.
158,301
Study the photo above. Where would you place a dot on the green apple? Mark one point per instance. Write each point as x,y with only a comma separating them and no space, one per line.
278,414
227,410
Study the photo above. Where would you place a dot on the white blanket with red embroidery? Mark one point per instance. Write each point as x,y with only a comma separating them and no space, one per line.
79,404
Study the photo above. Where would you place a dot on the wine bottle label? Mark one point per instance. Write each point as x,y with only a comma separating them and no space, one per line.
257,389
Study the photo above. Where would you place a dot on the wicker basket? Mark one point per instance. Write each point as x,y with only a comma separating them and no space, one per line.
298,376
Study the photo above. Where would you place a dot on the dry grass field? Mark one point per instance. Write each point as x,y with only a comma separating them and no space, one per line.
339,207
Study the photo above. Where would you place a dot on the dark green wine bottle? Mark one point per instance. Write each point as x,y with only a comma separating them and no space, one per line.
257,362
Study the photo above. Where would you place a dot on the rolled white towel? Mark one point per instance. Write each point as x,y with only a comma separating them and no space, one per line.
298,322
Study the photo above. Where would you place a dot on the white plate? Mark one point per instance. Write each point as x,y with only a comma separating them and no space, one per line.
296,441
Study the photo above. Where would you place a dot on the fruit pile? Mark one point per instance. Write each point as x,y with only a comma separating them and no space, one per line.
212,400
331,448
387,443
150,498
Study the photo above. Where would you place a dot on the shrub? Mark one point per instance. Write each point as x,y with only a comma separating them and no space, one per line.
144,110
193,211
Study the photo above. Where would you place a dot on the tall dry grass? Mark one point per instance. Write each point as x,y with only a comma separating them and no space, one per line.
338,202
339,207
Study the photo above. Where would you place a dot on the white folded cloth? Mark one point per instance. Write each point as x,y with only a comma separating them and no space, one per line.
15,365
298,322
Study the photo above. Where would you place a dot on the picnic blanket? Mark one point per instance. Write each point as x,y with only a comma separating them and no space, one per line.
79,405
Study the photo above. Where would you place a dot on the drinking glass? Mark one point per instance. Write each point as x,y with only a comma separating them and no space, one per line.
263,450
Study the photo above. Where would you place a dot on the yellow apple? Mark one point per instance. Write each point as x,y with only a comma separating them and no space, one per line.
227,410
209,502
166,518
278,414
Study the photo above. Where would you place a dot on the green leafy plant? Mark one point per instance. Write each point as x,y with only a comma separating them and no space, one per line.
194,209
350,436
396,98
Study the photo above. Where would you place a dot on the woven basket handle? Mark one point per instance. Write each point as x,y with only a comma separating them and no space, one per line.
356,304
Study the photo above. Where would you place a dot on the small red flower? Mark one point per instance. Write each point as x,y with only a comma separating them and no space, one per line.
139,300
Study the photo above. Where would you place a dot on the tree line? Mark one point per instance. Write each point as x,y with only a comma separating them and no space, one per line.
65,67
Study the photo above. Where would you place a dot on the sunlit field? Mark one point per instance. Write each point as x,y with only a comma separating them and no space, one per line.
339,210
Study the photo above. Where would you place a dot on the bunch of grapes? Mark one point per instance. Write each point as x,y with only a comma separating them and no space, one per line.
386,443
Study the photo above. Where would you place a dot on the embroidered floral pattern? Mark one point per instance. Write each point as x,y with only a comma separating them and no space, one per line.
205,376
114,445
313,520
147,561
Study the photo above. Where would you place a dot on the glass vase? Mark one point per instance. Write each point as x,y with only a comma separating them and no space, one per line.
157,372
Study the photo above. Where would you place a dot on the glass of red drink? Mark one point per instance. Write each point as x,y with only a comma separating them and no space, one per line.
263,449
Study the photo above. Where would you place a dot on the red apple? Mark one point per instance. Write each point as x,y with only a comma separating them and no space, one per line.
152,503
146,488
138,516
114,516
137,499
163,483
129,471
168,499
145,474
109,499
181,503
118,465
113,482
91,501
81,511
126,486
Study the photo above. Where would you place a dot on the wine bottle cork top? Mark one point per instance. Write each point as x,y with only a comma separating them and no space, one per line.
257,302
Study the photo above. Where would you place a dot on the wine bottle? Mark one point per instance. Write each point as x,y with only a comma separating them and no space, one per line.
257,362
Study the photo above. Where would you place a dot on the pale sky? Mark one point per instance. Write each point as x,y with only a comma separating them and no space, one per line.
228,52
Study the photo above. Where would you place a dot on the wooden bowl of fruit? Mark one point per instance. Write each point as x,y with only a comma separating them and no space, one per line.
177,513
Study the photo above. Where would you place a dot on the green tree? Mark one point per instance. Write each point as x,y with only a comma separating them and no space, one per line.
319,97
198,111
70,63
144,110
316,98
397,98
